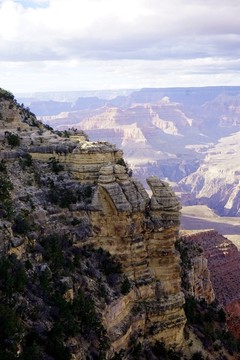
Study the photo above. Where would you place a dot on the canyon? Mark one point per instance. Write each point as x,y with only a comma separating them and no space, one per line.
77,192
79,232
187,136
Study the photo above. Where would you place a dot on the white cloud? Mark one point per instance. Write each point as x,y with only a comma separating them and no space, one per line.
144,34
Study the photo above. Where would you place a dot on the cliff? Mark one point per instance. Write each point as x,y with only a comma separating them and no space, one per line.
88,265
216,181
223,262
63,195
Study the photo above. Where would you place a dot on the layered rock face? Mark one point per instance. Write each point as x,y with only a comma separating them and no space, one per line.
169,132
141,233
196,277
120,217
216,182
80,157
223,262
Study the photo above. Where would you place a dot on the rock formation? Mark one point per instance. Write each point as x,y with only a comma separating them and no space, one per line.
57,181
196,276
223,262
88,264
216,181
141,233
183,133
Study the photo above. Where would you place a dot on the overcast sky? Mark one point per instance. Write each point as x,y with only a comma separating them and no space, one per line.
60,45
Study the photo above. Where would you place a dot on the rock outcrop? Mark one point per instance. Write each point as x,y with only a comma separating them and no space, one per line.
223,262
77,190
216,181
141,233
196,277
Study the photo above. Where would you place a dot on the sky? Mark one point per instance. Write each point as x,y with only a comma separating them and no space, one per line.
69,45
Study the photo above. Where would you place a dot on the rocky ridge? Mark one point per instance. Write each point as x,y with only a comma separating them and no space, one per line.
216,181
78,232
181,133
223,262
70,189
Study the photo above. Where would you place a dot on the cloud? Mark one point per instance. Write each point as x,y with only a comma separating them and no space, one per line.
145,36
117,29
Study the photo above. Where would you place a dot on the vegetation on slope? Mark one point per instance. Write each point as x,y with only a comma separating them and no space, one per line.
52,290
207,321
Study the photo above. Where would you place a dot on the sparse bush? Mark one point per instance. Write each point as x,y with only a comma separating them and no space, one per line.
123,163
53,246
86,191
10,333
162,353
55,165
25,161
6,95
110,266
48,127
21,224
198,356
13,139
136,351
3,166
13,276
125,287
62,195
5,195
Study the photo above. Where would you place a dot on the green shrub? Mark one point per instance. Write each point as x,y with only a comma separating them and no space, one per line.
55,165
56,348
121,162
62,195
125,287
25,161
10,333
110,266
193,313
31,352
21,224
3,166
136,352
54,247
13,277
162,353
13,139
5,195
6,95
197,356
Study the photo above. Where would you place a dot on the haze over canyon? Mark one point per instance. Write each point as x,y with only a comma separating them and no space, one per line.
187,136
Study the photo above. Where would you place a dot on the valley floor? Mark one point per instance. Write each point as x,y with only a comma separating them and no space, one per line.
201,217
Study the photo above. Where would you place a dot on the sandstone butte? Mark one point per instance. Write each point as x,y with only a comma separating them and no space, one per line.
139,229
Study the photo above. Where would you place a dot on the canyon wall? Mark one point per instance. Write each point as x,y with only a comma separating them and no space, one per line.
138,230
223,262
141,233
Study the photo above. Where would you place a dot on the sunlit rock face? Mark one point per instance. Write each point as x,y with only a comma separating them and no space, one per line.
119,217
141,232
216,181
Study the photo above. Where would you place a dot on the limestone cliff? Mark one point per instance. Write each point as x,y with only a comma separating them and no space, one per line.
141,233
223,262
64,187
88,265
196,276
216,182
